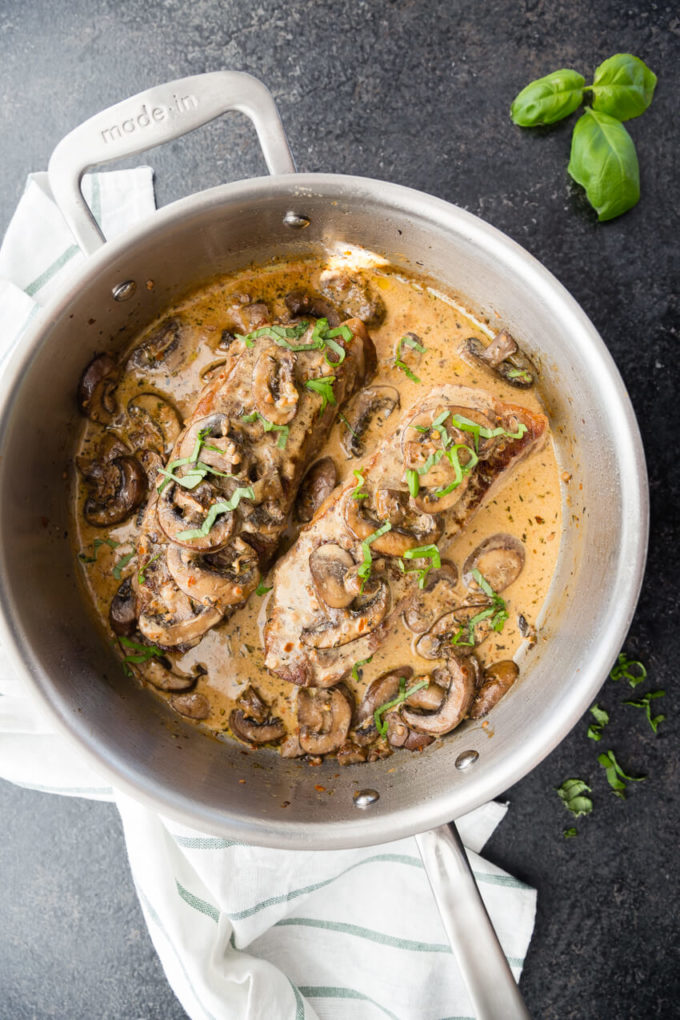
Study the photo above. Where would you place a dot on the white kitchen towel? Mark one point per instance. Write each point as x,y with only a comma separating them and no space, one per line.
246,933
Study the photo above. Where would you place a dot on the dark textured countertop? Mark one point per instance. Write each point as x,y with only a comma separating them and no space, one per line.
417,93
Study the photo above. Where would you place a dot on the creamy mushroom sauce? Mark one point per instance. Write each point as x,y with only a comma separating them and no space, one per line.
527,507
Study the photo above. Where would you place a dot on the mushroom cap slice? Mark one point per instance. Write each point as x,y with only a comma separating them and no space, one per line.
502,357
380,691
252,721
496,681
274,391
317,485
324,716
437,642
173,618
458,678
121,488
160,349
353,295
193,705
156,423
216,580
123,610
371,406
360,618
181,510
499,559
329,565
435,598
408,530
96,389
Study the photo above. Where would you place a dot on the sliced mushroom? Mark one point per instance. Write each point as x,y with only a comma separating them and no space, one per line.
221,444
435,598
120,487
252,721
96,389
165,675
360,618
302,302
353,296
503,357
194,705
174,619
218,579
457,679
123,610
274,391
181,510
248,315
401,735
159,349
155,422
409,528
499,559
329,566
317,485
324,716
372,406
381,691
451,633
496,681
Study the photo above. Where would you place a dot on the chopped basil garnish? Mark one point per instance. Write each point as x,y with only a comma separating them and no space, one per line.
324,387
616,777
570,833
142,653
121,564
222,507
380,723
142,573
198,470
646,703
269,426
430,552
497,613
262,588
408,341
364,571
572,794
281,335
357,493
601,719
96,546
622,670
357,666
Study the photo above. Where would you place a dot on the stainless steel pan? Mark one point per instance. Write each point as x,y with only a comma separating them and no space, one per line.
46,624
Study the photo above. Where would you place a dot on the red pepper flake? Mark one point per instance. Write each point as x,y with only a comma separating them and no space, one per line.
539,520
321,789
241,780
288,647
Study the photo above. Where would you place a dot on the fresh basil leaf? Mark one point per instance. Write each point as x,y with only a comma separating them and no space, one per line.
548,99
623,670
623,86
604,161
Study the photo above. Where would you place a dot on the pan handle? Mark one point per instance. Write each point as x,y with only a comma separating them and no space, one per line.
151,118
485,970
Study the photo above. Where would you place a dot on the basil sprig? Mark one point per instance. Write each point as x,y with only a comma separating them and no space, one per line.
140,653
357,666
616,777
361,481
364,570
603,159
197,468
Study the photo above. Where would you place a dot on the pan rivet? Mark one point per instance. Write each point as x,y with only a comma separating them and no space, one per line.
124,290
295,221
466,759
364,798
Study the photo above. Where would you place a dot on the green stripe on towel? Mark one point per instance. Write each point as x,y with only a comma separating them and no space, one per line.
198,904
322,992
366,933
48,273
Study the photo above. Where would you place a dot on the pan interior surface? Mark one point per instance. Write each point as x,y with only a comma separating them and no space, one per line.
222,787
